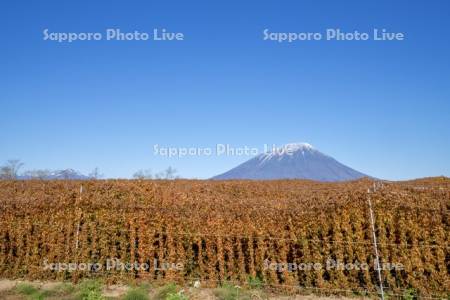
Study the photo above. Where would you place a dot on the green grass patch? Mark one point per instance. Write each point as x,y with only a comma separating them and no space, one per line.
26,289
176,296
90,290
166,290
410,294
255,282
30,292
138,293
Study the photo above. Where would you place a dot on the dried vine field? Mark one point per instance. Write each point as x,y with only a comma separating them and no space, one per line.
220,231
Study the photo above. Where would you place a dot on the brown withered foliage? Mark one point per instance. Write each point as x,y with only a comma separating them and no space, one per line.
230,230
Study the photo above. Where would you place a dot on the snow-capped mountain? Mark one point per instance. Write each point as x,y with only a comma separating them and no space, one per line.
292,161
68,174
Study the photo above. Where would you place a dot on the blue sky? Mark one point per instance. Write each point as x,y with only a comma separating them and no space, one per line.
382,108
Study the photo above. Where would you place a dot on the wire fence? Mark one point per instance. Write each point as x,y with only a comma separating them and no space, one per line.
372,211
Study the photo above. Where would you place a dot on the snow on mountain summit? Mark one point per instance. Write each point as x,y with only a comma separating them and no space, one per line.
298,146
287,149
292,161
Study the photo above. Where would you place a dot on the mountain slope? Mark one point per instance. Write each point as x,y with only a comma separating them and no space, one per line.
292,161
66,174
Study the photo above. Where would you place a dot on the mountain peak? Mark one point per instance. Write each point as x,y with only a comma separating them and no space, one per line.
292,161
297,146
287,149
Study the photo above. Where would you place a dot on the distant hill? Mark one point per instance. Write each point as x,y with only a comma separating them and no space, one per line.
293,161
67,174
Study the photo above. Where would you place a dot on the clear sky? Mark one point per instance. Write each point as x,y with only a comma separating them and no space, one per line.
382,108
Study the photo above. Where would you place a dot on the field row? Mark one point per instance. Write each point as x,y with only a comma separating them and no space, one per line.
282,233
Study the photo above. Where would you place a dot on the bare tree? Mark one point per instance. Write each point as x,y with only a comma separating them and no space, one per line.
159,175
170,173
65,174
11,169
5,172
143,174
95,174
